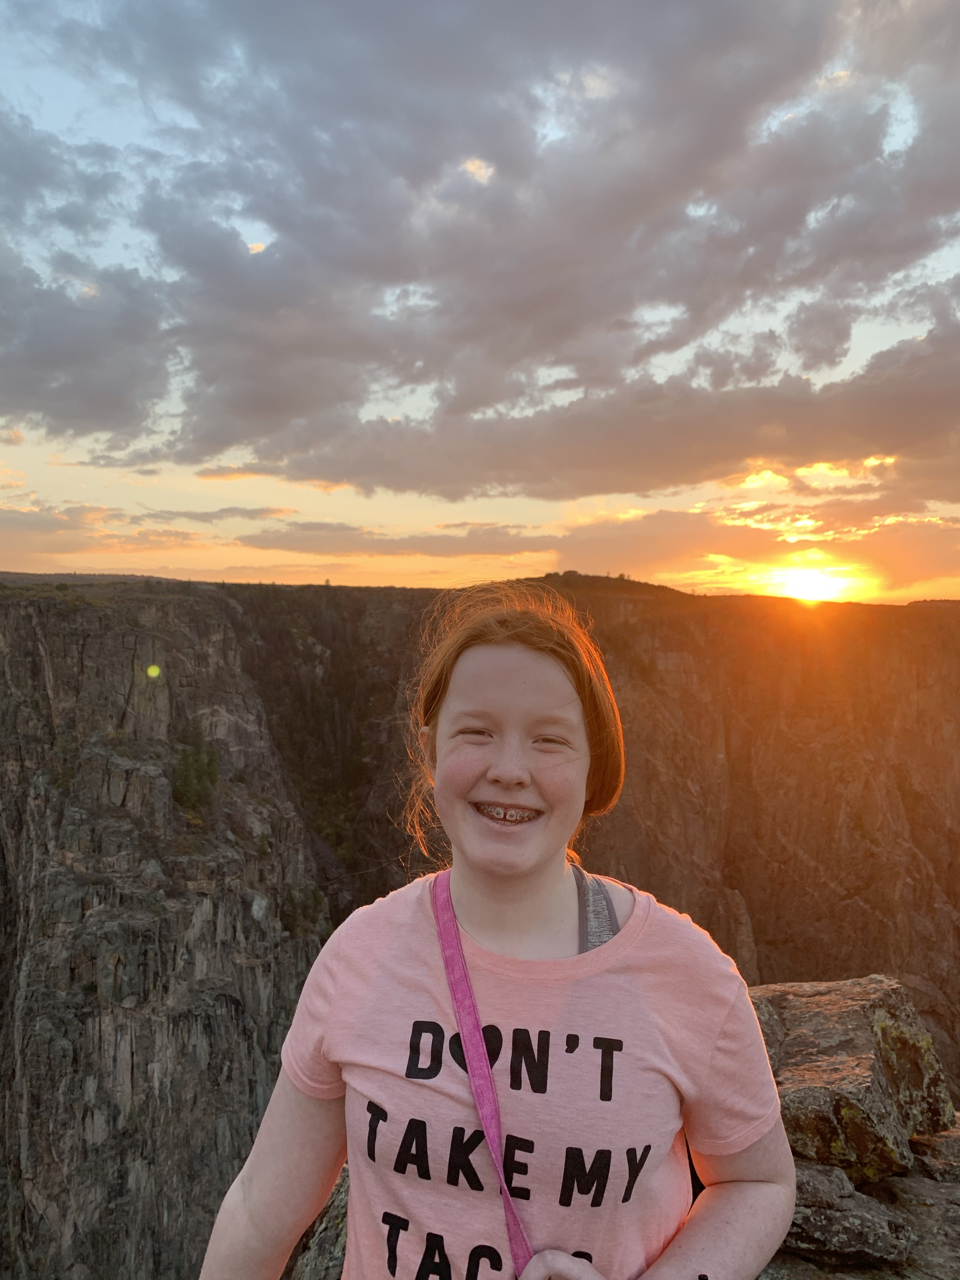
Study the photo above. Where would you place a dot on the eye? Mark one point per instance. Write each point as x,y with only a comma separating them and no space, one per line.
554,742
473,731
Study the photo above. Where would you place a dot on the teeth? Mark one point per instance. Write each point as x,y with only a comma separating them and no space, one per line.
507,815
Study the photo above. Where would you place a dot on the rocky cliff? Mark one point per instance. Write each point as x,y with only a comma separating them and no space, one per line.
794,783
159,907
197,782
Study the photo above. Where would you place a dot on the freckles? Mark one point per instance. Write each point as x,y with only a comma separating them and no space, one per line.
455,774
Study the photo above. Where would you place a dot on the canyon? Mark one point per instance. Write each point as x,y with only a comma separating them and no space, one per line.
200,781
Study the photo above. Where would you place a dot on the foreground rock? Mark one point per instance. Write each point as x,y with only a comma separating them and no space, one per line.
857,1073
833,1223
929,1210
863,1096
937,1155
932,1212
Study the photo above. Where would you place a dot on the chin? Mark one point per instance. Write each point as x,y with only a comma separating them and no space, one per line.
504,861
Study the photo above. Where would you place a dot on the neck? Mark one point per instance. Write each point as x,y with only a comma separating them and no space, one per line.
530,917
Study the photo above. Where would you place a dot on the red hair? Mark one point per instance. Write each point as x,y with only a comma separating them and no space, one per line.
512,613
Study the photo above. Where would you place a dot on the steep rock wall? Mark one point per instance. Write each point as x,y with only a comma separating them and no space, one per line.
794,775
151,956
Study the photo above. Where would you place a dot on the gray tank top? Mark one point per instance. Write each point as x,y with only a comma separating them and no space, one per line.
598,916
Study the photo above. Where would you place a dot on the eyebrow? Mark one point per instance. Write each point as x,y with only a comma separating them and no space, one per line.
557,718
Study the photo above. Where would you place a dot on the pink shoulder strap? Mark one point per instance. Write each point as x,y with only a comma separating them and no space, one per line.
475,1053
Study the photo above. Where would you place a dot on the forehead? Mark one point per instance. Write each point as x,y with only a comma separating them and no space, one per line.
496,674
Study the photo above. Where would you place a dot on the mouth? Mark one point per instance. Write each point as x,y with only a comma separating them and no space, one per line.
512,815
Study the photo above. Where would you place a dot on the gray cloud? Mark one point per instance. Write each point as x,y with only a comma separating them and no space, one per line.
85,353
321,537
211,517
47,182
653,171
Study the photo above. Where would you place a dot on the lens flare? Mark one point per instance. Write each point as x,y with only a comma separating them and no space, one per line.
153,671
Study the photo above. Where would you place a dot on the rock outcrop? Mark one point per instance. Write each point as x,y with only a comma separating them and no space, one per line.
910,1208
862,1091
837,1225
857,1073
937,1155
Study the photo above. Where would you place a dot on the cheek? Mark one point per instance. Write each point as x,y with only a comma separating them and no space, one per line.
566,786
455,774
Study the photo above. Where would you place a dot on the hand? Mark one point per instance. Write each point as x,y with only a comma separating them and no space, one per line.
553,1264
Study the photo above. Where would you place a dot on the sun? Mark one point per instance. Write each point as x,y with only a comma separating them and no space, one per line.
810,584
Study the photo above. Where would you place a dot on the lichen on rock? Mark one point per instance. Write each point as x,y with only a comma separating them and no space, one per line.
857,1073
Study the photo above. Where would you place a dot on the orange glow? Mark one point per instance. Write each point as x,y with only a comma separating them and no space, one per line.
810,576
811,584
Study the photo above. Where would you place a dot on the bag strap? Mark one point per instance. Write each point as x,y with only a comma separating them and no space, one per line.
475,1052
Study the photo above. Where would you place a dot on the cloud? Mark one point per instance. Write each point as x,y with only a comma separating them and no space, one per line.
312,537
80,361
687,208
840,529
36,534
212,517
48,183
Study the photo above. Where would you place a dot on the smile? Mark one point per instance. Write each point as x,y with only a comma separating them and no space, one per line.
504,813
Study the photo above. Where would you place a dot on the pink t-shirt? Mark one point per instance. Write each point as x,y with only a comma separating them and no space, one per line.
600,1060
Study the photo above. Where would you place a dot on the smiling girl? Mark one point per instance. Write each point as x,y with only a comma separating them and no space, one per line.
617,1032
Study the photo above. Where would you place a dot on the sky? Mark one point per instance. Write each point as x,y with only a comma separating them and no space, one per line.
431,293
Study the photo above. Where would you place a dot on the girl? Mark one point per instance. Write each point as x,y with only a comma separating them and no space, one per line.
616,1030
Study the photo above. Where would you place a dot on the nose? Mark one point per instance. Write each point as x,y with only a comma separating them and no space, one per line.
509,766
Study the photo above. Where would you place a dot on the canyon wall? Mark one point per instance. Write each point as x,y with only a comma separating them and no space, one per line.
151,952
794,783
177,844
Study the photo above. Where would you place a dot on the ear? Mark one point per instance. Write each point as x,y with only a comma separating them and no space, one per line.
428,745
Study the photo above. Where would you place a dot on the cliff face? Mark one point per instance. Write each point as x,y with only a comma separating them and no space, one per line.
151,954
792,783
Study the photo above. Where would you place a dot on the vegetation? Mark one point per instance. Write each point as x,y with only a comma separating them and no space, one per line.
197,771
329,663
300,910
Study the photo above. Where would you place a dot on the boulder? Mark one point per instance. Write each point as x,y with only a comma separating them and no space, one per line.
857,1072
931,1211
937,1155
835,1224
787,1266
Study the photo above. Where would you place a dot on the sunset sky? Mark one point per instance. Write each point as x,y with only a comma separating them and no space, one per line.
430,292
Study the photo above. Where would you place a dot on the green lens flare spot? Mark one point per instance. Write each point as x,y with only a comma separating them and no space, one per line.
153,671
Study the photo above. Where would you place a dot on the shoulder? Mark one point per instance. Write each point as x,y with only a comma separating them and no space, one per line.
670,940
403,911
623,898
678,929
